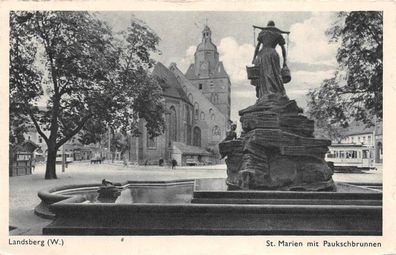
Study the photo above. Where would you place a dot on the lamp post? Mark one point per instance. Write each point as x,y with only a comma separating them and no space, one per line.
63,159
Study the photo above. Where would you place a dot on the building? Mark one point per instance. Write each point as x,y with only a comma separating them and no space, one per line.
208,75
72,147
360,146
198,117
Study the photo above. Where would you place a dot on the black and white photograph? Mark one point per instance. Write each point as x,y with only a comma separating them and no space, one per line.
200,123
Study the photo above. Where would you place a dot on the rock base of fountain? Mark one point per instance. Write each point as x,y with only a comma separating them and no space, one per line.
277,150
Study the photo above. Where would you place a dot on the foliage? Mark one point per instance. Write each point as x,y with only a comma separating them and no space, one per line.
355,91
119,142
86,72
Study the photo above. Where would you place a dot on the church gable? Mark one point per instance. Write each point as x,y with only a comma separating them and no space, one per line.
170,85
190,74
219,71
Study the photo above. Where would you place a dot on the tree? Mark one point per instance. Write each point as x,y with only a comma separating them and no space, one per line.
88,74
119,142
355,91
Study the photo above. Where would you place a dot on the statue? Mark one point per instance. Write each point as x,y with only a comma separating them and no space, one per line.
268,76
108,192
231,135
276,149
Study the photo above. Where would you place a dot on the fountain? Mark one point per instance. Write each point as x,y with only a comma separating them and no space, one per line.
277,181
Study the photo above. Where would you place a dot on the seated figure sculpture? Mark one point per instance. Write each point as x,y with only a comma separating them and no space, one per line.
277,149
231,135
108,192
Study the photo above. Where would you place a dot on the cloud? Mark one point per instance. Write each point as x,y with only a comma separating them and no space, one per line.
309,43
235,57
188,59
303,81
313,79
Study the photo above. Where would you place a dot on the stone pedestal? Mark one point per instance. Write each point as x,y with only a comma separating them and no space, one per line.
277,150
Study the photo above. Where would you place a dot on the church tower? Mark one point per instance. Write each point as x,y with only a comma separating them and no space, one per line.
208,75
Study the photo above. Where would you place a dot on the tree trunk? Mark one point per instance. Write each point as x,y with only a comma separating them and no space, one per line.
50,171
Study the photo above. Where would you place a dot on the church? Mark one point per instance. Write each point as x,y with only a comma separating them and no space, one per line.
198,104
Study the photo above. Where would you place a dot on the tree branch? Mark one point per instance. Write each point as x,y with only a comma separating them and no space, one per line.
73,132
37,126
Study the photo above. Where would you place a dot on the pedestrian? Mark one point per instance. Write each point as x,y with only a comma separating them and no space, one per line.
174,163
33,163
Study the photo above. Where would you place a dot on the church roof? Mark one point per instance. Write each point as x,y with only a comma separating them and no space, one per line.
219,72
169,83
206,44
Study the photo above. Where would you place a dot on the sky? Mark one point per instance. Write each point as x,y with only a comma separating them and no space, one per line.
311,58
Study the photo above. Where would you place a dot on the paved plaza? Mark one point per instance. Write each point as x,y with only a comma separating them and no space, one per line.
24,189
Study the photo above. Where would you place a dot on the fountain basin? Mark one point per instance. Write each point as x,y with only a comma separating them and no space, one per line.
204,207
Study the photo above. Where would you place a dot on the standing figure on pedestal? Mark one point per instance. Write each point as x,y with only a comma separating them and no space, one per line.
267,59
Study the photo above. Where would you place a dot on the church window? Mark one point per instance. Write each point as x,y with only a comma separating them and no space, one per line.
172,124
216,132
202,116
187,114
197,136
190,97
196,111
215,98
151,142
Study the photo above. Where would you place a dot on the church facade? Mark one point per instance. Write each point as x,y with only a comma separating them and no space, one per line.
198,111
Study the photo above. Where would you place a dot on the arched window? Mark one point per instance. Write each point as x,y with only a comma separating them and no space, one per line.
151,142
202,116
190,97
187,114
197,136
379,156
187,125
172,124
216,132
196,111
214,98
210,111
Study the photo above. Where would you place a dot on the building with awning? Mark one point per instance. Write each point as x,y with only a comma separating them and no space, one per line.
191,155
